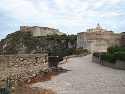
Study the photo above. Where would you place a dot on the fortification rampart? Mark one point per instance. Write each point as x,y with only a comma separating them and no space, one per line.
40,31
123,39
22,65
98,39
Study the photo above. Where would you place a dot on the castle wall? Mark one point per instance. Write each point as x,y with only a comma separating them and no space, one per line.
123,40
26,29
46,32
95,46
99,36
36,32
80,39
99,46
88,45
40,31
97,41
22,65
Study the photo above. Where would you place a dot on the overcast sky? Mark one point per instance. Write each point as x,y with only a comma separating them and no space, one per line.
69,16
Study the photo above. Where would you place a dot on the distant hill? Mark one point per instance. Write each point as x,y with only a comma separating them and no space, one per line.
24,43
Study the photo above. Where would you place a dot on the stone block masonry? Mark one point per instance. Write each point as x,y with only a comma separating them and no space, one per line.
22,65
40,31
98,39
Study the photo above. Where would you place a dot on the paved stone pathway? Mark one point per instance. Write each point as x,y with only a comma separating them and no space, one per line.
86,77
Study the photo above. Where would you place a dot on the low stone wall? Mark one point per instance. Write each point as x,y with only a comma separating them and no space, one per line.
22,65
118,65
95,59
66,57
108,64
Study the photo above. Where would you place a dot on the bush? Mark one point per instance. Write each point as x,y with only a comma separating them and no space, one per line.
113,49
107,57
114,53
78,52
119,56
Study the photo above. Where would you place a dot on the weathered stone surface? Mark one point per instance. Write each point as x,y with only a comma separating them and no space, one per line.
22,65
40,31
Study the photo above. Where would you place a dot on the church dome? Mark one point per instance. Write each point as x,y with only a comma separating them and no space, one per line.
98,27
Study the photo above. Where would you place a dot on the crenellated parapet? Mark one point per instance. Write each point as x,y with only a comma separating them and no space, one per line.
26,28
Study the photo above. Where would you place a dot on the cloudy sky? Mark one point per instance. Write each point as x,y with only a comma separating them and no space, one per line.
69,16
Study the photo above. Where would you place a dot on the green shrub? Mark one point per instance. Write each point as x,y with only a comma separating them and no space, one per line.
78,52
114,53
119,56
107,57
113,49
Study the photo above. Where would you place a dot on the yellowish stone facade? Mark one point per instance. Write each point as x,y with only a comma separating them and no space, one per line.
98,39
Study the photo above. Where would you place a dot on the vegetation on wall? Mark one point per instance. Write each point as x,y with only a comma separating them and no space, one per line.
119,55
114,53
113,49
107,57
25,43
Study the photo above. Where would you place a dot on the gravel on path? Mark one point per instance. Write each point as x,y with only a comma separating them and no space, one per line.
86,77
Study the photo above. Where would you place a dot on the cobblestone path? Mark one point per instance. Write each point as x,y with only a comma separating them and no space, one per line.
86,77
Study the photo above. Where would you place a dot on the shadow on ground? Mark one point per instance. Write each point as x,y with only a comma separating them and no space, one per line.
23,86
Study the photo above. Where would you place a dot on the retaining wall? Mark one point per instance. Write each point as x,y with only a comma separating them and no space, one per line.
22,65
95,59
118,64
108,64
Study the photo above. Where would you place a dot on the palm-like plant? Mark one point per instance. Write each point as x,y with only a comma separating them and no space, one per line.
8,88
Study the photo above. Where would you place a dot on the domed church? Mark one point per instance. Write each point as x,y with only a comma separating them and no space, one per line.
97,39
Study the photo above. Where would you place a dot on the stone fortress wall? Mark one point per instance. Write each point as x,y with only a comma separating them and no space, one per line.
40,31
98,39
22,65
123,38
